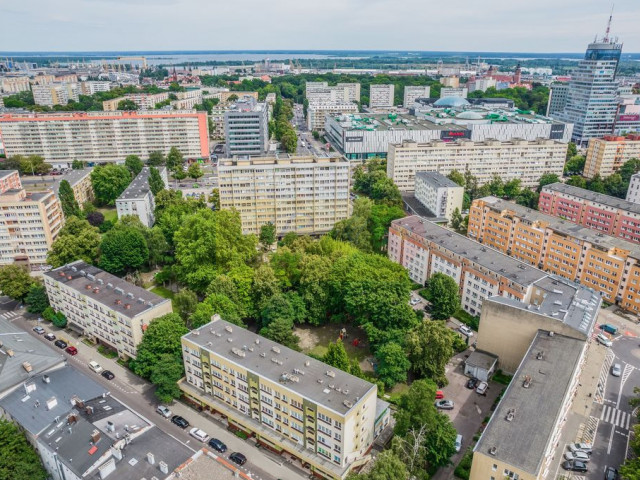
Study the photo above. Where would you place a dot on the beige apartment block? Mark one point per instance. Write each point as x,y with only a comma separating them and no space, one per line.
55,93
317,112
381,95
144,101
29,222
103,307
301,194
521,159
292,403
80,182
606,155
13,85
187,100
224,96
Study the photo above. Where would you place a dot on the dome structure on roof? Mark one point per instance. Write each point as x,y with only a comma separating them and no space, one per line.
451,102
469,115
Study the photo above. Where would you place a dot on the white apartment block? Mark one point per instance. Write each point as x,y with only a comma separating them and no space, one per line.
311,86
439,194
522,159
187,100
353,91
293,403
103,307
138,200
91,87
453,92
482,84
55,93
144,101
13,85
305,195
316,113
381,96
413,92
633,193
29,222
62,137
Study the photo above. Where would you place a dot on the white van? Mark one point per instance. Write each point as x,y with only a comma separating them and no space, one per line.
199,434
458,443
95,366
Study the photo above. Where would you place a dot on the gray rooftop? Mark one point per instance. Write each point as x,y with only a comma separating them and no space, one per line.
601,240
436,179
258,356
139,187
523,440
382,122
508,267
73,177
481,359
607,200
78,275
25,348
416,207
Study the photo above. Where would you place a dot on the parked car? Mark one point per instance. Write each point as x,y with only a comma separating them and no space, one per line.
439,394
238,458
481,389
50,336
578,455
95,366
581,447
616,370
60,344
611,474
444,404
108,374
217,445
463,329
199,434
39,330
71,350
472,383
574,466
179,421
606,327
458,444
601,338
164,411
414,301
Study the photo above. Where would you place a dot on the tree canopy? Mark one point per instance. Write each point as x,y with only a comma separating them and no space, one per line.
123,249
430,346
109,181
442,293
134,164
77,240
19,459
68,202
15,281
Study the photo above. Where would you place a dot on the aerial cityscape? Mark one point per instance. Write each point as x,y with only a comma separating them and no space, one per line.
370,242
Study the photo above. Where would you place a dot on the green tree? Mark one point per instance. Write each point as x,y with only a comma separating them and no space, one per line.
388,466
316,134
528,198
456,219
232,98
175,160
157,245
442,293
429,347
214,198
577,181
512,188
95,219
392,365
165,375
109,181
194,171
216,304
37,299
596,184
68,202
267,234
574,165
127,104
185,303
156,159
134,164
457,177
572,150
155,181
122,250
59,320
77,165
77,240
19,459
15,281
337,357
547,179
162,337
281,331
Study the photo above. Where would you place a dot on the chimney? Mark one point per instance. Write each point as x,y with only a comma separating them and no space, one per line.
51,403
151,459
71,419
127,306
110,426
164,468
27,366
96,290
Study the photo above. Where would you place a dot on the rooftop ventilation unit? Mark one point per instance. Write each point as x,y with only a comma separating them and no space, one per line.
83,273
511,414
275,349
228,329
527,381
130,295
91,277
100,281
140,300
74,269
238,352
331,373
347,404
109,285
119,290
540,355
493,450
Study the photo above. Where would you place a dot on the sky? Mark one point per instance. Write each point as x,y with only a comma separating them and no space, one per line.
462,25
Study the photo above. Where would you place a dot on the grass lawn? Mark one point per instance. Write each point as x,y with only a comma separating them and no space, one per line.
109,214
162,291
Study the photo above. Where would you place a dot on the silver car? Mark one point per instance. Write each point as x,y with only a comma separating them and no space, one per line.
616,370
577,455
601,338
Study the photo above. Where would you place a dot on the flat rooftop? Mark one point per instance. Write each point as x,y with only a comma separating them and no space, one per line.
437,180
139,187
508,267
284,159
321,383
600,240
517,433
204,466
376,122
607,200
79,275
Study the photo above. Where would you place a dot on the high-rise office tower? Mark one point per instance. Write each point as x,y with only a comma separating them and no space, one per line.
591,102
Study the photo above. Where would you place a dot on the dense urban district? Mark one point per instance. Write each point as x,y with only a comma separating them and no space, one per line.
286,271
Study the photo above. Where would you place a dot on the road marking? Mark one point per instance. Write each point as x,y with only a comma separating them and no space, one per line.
604,376
610,440
8,315
616,417
625,376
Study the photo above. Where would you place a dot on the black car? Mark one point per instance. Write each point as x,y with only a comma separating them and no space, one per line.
610,474
574,466
217,445
60,344
179,421
472,383
238,458
108,374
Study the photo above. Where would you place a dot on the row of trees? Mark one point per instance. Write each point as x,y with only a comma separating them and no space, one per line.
280,127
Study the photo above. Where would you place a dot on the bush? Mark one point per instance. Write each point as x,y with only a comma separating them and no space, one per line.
107,352
502,378
469,320
48,314
463,470
59,320
241,434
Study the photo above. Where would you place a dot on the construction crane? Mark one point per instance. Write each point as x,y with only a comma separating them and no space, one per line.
139,59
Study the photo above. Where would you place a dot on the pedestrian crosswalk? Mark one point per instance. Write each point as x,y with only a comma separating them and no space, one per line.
616,417
9,315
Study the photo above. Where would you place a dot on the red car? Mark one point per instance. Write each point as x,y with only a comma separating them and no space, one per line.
439,395
71,350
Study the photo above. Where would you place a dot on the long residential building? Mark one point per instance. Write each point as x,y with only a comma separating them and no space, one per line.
317,112
11,85
425,248
29,222
292,403
301,194
521,159
412,92
611,215
103,136
607,154
104,308
145,101
609,265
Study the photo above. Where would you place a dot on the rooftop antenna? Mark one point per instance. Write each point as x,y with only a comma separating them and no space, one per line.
606,34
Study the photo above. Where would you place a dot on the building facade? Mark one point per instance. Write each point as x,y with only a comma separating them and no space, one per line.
104,308
558,93
454,92
144,101
291,402
412,92
55,93
381,95
29,222
610,215
138,199
91,87
104,136
246,126
80,182
606,155
13,85
305,195
521,159
439,194
187,100
633,193
317,112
